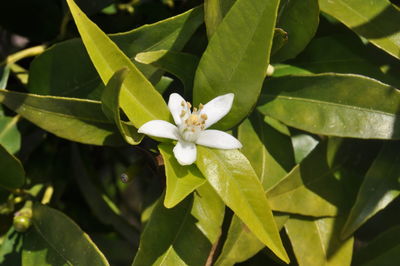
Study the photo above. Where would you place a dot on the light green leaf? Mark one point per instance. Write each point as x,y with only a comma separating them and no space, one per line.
10,137
110,103
181,180
182,235
138,97
303,144
379,188
214,12
4,75
56,236
299,18
12,173
237,53
317,242
241,244
163,84
376,20
10,248
269,152
74,119
312,184
235,181
182,65
330,104
65,69
383,250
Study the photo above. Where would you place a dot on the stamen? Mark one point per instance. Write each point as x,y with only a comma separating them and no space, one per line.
183,103
201,106
194,109
183,112
189,105
204,116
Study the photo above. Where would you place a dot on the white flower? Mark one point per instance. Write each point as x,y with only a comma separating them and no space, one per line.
191,127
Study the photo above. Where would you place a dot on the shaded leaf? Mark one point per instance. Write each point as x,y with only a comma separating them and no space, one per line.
10,248
61,239
235,181
317,242
329,104
214,12
12,173
299,18
370,20
59,115
280,40
110,104
181,180
379,188
138,96
10,138
237,54
74,74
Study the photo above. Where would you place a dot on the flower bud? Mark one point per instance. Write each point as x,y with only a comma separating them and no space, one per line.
22,220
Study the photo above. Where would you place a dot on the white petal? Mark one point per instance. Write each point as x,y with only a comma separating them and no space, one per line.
160,128
218,139
185,152
217,108
175,107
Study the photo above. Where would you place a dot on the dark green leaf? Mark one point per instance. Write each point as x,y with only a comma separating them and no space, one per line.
330,104
74,119
12,173
237,57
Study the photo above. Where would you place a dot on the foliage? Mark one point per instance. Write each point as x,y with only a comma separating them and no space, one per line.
316,108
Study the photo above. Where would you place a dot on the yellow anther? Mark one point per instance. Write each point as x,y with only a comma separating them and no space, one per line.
194,109
204,116
183,103
183,112
201,106
189,105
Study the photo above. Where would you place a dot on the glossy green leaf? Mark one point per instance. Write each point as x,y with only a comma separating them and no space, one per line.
303,144
214,12
269,152
383,250
317,242
286,70
58,237
181,180
330,104
59,115
376,20
10,248
237,53
241,244
347,54
312,184
12,173
138,96
10,137
110,103
233,178
182,235
66,70
182,65
379,188
299,18
96,200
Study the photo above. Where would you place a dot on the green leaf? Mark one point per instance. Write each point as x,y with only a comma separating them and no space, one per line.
383,250
59,238
303,144
347,54
280,40
138,96
66,70
330,104
237,53
317,242
241,244
110,103
74,119
182,65
12,173
181,180
233,178
182,235
376,20
10,137
214,12
10,248
96,200
300,20
379,188
312,184
4,75
269,152
163,84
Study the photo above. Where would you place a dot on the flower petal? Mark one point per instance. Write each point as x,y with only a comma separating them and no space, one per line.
185,152
218,139
175,107
160,128
217,108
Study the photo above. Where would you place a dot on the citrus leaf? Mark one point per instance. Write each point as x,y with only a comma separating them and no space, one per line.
10,137
12,173
214,12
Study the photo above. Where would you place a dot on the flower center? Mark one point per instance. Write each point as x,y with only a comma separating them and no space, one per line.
193,122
